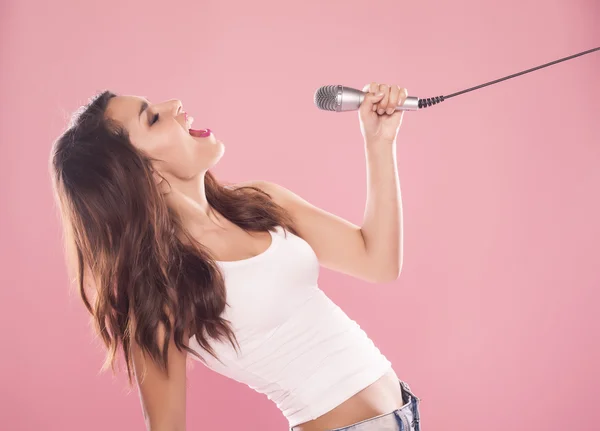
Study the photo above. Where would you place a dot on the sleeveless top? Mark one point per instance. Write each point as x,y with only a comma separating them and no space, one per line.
297,347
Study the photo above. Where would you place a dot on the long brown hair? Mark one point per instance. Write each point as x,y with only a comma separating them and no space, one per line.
119,231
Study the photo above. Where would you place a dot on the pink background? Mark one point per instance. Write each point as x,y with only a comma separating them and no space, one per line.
494,321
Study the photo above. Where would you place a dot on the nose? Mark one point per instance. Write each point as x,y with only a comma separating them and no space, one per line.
173,107
178,106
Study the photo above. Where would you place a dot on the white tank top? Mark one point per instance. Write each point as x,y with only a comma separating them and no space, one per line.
297,347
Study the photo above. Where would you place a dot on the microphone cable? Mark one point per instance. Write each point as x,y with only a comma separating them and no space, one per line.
425,103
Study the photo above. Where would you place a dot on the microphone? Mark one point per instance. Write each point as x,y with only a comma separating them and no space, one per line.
340,99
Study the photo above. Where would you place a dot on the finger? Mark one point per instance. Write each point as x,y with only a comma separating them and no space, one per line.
394,98
403,96
385,89
370,100
373,88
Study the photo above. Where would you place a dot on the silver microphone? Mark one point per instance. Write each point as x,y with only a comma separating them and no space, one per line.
339,98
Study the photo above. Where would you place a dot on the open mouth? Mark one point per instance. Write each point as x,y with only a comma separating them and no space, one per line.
202,133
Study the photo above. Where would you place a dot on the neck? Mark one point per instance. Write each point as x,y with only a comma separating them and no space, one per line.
188,199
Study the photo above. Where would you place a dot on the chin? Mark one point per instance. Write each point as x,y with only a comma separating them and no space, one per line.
218,152
221,148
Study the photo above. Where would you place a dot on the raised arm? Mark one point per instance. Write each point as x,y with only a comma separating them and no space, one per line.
339,244
374,251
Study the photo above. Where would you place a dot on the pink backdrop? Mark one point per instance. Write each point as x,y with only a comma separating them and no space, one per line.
494,321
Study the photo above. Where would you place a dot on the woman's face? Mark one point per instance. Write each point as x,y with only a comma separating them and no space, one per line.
160,131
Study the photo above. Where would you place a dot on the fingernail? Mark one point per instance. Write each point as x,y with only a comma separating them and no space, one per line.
379,94
380,111
390,111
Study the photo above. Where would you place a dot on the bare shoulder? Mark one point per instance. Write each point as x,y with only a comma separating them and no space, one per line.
301,210
261,184
278,193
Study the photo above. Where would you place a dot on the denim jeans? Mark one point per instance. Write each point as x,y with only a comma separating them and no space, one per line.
406,418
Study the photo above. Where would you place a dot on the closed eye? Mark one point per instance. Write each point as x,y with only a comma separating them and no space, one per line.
154,119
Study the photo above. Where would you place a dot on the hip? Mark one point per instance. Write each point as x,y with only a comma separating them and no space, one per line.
387,404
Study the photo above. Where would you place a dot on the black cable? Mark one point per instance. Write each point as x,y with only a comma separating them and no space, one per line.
424,103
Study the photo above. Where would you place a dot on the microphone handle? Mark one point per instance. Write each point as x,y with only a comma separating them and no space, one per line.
350,99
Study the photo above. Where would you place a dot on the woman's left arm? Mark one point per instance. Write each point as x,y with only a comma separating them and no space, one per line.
372,252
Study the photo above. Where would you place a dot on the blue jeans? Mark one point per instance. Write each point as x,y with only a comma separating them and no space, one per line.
406,418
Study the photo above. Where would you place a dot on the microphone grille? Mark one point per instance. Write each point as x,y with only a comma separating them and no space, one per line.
325,97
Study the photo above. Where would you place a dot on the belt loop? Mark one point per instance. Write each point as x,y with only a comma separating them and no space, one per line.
406,387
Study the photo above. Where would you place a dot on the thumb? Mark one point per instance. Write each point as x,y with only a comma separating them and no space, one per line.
370,100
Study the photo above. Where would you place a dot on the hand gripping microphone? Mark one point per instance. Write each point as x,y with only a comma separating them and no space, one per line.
339,98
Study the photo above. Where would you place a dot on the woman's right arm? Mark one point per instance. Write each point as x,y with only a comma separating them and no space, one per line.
163,399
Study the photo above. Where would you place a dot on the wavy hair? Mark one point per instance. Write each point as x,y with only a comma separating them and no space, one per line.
119,231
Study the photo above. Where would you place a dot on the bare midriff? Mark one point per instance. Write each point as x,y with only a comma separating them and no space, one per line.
381,397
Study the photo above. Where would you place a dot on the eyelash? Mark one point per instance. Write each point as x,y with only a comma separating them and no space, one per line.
154,119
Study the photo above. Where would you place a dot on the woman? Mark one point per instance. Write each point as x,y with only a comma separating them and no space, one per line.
179,264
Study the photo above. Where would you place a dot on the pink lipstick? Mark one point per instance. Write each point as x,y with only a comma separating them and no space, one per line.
200,133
